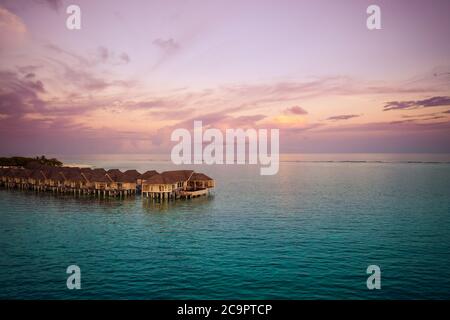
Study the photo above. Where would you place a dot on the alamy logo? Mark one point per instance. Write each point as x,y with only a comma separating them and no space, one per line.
73,21
373,21
235,140
374,280
74,280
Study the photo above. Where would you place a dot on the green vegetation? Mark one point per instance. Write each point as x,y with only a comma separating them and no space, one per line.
25,162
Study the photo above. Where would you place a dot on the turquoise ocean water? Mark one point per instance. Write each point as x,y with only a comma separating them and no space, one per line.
308,232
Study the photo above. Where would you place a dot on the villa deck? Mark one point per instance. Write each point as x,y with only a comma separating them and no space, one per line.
193,194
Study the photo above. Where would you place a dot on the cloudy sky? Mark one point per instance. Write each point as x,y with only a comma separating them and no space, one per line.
139,69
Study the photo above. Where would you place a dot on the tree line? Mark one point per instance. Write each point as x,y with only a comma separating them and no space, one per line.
26,161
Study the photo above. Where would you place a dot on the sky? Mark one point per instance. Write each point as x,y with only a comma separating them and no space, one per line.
137,70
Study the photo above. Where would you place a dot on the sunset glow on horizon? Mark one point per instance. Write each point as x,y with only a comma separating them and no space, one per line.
138,70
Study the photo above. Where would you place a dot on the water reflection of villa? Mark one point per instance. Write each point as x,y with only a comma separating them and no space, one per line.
99,182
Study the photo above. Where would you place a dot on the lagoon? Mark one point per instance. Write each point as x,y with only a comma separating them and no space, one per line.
308,232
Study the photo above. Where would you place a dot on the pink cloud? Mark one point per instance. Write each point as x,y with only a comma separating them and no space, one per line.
12,30
296,110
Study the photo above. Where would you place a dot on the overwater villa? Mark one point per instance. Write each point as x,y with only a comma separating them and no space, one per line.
175,184
99,182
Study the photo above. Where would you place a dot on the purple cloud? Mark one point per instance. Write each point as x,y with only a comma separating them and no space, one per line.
19,95
28,69
103,54
343,117
415,104
168,45
108,56
125,57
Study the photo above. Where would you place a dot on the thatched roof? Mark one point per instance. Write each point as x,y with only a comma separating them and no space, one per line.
96,175
11,173
98,171
86,173
56,175
23,173
198,176
147,175
16,173
114,174
177,175
47,170
37,175
169,177
128,178
131,175
33,165
156,179
101,175
72,174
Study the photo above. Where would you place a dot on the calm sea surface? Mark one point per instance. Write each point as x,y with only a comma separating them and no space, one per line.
307,233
